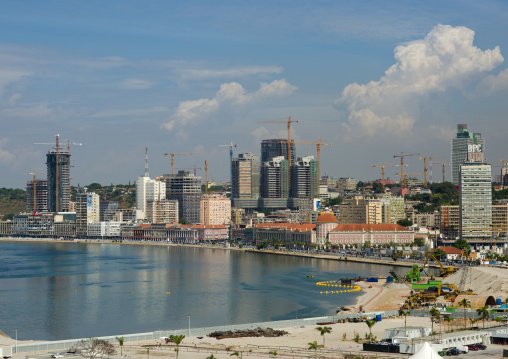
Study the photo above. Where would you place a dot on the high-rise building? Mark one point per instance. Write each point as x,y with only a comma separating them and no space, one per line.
148,189
275,178
185,187
304,178
361,210
41,196
464,143
215,209
276,148
87,211
475,200
245,176
58,164
346,184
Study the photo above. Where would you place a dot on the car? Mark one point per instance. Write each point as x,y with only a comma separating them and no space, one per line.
473,347
453,351
58,356
481,346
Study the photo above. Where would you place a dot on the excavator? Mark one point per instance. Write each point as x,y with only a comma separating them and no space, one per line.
445,272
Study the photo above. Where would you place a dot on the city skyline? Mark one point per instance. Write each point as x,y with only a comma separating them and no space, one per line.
374,80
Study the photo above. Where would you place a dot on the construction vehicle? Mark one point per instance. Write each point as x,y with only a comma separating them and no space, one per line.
414,275
444,271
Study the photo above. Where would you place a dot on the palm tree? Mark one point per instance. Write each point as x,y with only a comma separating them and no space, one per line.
323,331
464,303
434,316
313,345
483,312
499,320
120,342
472,320
274,353
449,319
370,323
177,339
236,353
405,314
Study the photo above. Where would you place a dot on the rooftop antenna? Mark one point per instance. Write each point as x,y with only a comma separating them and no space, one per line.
146,162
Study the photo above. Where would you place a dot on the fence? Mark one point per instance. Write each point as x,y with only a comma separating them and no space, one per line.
66,344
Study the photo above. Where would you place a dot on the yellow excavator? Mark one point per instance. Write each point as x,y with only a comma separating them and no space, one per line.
444,271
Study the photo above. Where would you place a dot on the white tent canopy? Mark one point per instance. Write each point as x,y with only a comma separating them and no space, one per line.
426,352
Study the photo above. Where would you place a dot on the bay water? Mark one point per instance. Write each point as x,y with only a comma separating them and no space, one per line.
63,290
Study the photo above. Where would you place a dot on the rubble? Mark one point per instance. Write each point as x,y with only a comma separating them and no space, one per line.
258,332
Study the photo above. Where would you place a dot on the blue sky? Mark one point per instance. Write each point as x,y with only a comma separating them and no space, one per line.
373,78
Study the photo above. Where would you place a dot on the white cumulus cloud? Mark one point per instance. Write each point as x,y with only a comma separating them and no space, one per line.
230,95
5,156
445,59
494,83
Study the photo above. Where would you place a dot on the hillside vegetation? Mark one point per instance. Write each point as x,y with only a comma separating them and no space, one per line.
12,202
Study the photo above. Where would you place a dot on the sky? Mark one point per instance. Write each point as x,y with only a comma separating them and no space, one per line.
374,78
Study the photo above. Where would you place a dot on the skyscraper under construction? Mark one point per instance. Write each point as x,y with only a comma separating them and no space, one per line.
58,162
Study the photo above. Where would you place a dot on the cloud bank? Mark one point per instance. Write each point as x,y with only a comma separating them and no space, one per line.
230,96
445,59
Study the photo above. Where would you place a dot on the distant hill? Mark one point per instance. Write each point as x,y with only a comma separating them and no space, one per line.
12,202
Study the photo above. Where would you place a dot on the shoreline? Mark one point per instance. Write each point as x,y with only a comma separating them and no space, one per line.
384,262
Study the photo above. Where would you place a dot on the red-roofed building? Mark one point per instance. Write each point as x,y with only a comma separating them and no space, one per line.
375,234
451,253
324,224
212,232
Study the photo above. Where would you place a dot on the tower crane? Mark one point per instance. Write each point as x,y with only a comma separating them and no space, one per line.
318,145
179,153
383,165
189,168
444,164
288,122
35,185
402,155
206,177
58,150
424,158
231,146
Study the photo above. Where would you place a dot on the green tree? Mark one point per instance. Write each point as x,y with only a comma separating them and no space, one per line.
404,222
177,339
434,316
378,187
438,253
462,244
182,221
448,319
313,346
323,331
9,217
333,201
235,353
211,356
499,320
370,323
405,314
396,255
94,187
273,352
483,312
464,303
419,242
120,343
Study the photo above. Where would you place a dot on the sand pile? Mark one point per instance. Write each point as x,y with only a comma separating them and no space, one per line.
483,280
395,285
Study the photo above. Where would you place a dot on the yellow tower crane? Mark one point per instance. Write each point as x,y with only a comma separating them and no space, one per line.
444,164
402,155
318,145
288,122
179,153
425,166
206,177
383,165
35,186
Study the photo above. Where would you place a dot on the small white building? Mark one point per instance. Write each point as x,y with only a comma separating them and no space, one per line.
402,334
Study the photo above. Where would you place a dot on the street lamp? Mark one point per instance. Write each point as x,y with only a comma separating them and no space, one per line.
189,324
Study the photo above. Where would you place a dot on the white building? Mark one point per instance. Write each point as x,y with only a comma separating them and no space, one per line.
104,229
148,189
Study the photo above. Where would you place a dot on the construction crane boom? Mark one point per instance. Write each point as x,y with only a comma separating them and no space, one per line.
402,155
288,122
424,158
179,153
189,168
34,173
231,146
206,177
383,165
318,145
444,164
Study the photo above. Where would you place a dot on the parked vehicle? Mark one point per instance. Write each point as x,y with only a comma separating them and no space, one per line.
481,346
473,347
